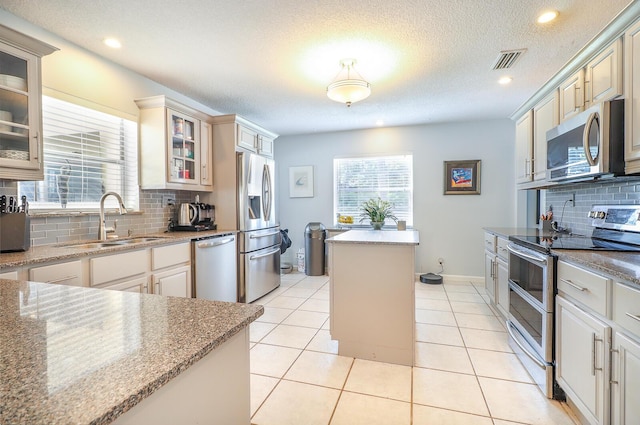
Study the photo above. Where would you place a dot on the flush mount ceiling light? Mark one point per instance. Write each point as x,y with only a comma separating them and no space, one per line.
505,80
348,86
114,43
547,16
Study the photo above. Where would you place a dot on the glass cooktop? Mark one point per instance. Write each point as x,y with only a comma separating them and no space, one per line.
599,241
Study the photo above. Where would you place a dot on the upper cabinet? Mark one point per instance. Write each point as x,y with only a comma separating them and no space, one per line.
604,75
20,105
632,99
524,148
545,117
233,131
572,96
175,146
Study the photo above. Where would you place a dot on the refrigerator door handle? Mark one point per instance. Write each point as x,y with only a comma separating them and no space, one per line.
267,254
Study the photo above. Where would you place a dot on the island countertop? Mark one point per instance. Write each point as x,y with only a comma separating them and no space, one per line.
388,237
84,355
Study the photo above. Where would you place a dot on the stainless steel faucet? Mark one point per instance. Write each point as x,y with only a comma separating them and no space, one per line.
102,228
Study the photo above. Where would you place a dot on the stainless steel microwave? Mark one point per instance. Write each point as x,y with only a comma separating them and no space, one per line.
589,145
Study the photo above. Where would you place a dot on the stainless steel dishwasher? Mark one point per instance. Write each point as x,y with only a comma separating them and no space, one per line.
215,270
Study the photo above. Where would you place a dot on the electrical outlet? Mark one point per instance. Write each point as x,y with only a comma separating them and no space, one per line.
440,260
167,201
573,199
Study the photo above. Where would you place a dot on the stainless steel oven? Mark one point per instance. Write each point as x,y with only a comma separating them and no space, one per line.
531,306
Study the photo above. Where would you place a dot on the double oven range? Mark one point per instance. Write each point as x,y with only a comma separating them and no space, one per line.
532,284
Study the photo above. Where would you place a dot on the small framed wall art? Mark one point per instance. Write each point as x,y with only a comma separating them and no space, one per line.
301,182
462,177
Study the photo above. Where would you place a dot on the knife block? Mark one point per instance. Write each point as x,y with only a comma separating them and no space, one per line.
15,232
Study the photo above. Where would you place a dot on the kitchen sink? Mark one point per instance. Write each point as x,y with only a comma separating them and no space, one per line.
112,242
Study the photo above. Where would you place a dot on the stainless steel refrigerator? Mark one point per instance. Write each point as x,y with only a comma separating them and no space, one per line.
259,234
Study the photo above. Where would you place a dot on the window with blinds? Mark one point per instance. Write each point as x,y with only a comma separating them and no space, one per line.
86,153
356,180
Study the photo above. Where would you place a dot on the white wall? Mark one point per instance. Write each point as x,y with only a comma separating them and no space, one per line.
450,226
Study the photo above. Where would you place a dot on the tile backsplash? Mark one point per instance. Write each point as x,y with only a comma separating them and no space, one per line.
153,217
621,190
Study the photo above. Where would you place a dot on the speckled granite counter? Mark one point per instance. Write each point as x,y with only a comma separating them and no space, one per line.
55,252
73,355
388,237
621,265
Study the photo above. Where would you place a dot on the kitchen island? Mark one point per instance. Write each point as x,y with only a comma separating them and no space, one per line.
372,306
92,356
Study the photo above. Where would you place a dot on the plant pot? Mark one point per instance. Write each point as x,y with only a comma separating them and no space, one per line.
377,225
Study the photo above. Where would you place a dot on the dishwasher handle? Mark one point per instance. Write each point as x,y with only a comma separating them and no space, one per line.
214,243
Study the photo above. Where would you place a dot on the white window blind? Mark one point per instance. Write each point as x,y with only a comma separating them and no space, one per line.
86,153
356,180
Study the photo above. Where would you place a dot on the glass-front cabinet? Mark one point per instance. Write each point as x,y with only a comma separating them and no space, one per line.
20,106
175,146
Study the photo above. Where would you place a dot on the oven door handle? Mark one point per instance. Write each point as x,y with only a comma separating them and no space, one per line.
514,337
519,253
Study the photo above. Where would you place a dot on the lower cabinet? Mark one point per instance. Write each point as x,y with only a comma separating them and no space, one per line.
502,286
496,271
582,355
625,388
68,273
139,285
175,282
489,275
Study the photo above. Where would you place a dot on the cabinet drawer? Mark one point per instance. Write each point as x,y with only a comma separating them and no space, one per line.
170,255
586,287
626,307
118,266
69,273
490,242
502,249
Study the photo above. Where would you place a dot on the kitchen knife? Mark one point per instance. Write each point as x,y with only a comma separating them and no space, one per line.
3,204
25,204
10,204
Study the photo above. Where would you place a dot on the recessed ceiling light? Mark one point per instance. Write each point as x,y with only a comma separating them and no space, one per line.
505,80
379,123
547,16
114,43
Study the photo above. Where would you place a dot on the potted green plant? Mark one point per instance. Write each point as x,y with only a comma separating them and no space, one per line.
377,210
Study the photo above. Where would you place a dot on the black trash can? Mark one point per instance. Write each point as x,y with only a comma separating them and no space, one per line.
314,237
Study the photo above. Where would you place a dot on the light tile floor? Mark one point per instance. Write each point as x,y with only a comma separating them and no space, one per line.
465,372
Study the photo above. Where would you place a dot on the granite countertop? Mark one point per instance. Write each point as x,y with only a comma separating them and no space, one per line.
62,251
621,265
74,355
379,237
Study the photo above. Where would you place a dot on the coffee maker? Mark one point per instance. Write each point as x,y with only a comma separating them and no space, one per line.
193,217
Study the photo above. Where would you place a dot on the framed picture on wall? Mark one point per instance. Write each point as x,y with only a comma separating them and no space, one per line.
462,177
301,182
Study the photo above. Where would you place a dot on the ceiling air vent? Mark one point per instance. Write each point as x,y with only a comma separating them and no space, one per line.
508,58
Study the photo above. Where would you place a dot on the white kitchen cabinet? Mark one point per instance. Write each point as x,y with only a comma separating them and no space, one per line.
139,285
502,287
524,148
67,273
572,96
171,145
632,99
625,408
546,116
582,360
21,105
247,138
496,271
115,267
13,274
604,75
206,158
175,282
265,146
489,275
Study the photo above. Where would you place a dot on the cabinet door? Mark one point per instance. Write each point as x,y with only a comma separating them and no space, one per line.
545,116
206,159
247,139
572,96
524,148
69,273
20,115
175,282
632,99
138,285
625,409
265,146
604,75
502,285
9,275
183,154
582,360
489,275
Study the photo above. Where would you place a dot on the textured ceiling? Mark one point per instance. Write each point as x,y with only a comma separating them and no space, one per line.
270,61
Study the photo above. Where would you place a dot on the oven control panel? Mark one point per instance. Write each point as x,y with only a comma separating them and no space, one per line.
616,217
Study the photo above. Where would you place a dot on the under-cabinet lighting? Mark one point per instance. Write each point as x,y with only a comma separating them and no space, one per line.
114,43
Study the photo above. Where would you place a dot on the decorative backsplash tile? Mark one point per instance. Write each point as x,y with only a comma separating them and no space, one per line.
622,190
